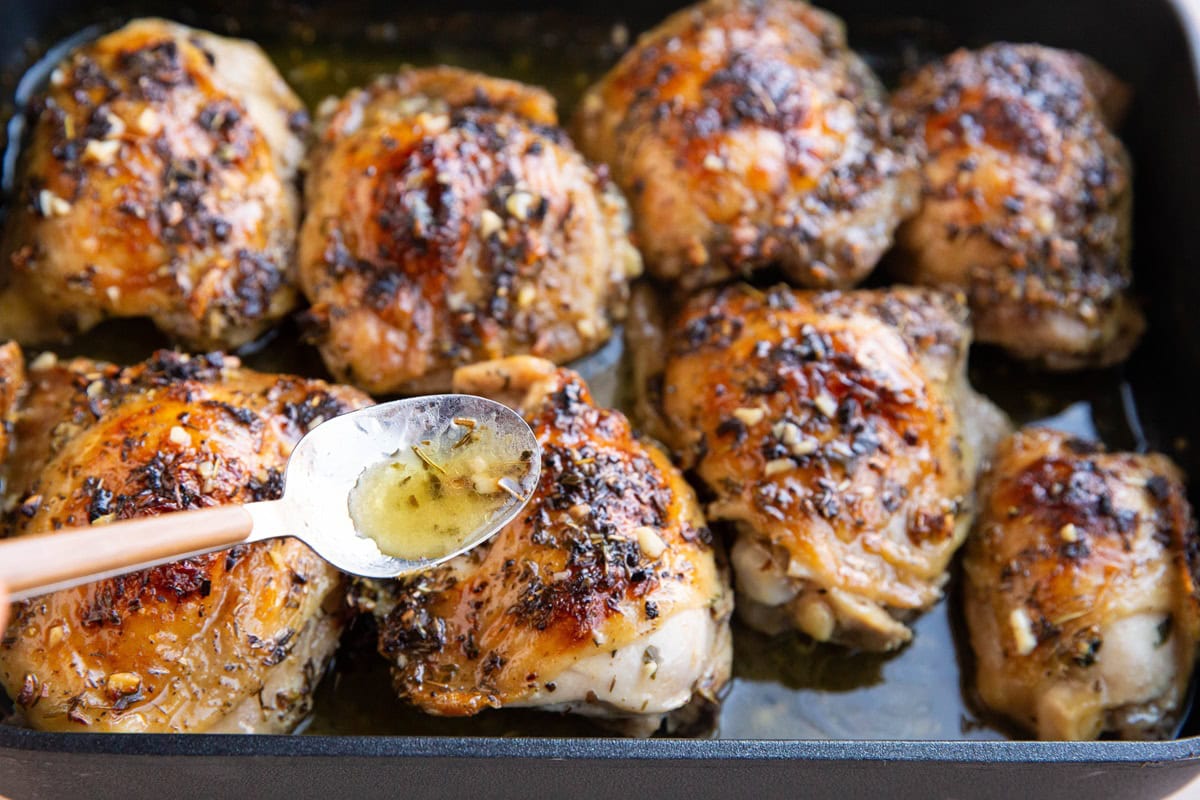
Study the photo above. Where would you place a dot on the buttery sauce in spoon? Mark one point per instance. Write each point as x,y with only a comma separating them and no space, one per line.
423,502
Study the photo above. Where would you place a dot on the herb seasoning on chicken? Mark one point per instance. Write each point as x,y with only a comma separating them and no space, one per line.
449,221
839,434
12,382
157,182
230,641
746,133
1027,201
604,597
1081,596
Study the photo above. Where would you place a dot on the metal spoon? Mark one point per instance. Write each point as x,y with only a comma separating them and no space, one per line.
321,473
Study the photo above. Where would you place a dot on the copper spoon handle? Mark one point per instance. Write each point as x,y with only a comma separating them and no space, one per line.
41,563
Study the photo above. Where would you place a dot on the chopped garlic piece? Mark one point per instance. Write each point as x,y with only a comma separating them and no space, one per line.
632,259
825,404
56,635
526,295
51,205
102,152
123,683
586,328
148,122
489,223
749,416
46,360
1022,629
804,447
519,204
649,541
778,465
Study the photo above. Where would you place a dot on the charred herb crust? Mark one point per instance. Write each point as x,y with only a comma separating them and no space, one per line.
1033,104
598,487
160,475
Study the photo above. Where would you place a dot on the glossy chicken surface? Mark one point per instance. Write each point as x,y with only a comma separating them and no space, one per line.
604,597
839,435
158,181
1027,201
1081,589
746,133
449,221
231,641
12,383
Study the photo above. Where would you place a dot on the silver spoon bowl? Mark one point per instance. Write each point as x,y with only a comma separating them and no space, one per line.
327,463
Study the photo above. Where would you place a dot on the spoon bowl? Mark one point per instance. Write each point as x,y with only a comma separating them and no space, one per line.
326,465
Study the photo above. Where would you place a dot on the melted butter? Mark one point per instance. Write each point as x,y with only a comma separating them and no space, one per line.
432,498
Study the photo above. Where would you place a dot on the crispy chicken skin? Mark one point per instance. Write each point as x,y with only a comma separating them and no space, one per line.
231,641
839,434
449,222
1027,201
12,385
1081,589
158,181
603,598
746,133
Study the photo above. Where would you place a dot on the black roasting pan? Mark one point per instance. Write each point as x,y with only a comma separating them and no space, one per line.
1152,44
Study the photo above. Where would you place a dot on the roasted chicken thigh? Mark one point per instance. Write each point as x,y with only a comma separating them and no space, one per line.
839,435
1027,201
449,221
158,181
1081,596
603,598
231,641
746,133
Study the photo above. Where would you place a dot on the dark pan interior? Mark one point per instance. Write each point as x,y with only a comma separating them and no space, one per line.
812,692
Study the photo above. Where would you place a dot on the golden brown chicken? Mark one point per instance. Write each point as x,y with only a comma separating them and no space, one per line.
1080,592
450,222
12,383
231,641
603,598
1027,201
158,181
839,434
746,133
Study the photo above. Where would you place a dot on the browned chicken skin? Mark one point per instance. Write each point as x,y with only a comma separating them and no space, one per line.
231,641
1081,589
746,133
840,435
449,222
603,598
158,181
1027,201
12,383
